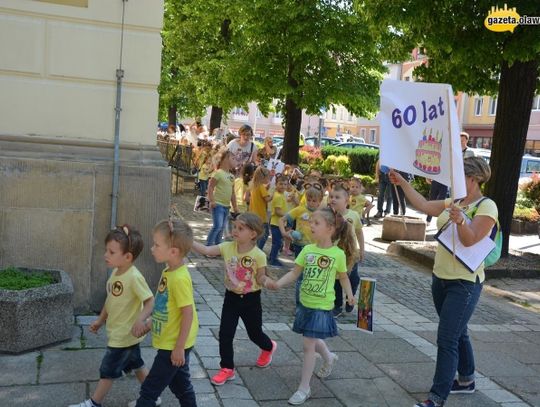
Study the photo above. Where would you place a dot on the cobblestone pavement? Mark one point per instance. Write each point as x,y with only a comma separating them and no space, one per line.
392,367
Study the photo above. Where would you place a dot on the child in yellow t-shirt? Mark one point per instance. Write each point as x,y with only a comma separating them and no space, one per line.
174,320
357,201
129,303
258,201
245,274
241,187
278,210
205,169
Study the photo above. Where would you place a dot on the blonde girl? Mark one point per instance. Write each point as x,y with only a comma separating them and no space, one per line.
320,264
245,274
338,200
258,200
221,195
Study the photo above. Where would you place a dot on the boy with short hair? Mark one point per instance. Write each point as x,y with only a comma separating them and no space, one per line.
357,201
174,320
278,210
129,303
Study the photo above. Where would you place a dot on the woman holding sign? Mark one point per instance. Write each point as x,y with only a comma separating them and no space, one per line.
455,288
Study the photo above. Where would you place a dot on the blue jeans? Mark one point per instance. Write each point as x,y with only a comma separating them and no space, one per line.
220,214
262,240
164,374
384,194
455,301
118,360
276,243
354,278
203,186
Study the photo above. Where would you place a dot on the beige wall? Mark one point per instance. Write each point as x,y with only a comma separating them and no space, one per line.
58,67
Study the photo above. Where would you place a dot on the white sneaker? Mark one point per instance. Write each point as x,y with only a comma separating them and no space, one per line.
326,368
299,397
134,402
85,403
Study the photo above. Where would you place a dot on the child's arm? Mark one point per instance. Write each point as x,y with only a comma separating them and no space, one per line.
210,192
98,323
262,278
346,284
178,357
140,327
233,200
282,225
288,278
206,250
360,237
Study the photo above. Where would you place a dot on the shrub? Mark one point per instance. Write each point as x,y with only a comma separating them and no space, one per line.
369,184
526,214
420,184
531,192
13,278
361,160
342,166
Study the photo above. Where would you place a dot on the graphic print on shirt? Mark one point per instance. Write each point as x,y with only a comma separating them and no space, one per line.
160,315
116,288
317,274
240,273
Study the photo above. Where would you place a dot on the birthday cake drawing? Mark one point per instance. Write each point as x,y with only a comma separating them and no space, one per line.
428,153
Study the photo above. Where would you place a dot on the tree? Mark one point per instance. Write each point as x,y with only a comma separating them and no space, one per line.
472,59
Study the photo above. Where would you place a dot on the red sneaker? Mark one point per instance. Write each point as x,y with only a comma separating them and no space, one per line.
222,376
265,358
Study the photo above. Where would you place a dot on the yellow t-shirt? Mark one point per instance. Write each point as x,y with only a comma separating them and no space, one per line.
278,201
175,291
301,214
357,203
125,296
443,267
257,204
320,268
205,170
354,219
241,268
224,187
239,189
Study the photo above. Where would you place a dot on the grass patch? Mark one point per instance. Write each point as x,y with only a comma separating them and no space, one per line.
13,278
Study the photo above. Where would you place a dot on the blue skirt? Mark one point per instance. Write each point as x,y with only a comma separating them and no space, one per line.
314,323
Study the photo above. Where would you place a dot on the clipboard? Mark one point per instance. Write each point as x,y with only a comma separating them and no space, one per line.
471,257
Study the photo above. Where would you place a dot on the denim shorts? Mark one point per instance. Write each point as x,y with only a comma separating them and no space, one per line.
314,323
118,360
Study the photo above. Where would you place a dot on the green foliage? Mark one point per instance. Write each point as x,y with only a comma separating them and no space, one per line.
526,214
420,184
531,192
13,278
369,184
361,160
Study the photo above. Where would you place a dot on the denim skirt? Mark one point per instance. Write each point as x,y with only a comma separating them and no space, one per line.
314,323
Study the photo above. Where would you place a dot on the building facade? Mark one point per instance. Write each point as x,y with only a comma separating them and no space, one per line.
57,125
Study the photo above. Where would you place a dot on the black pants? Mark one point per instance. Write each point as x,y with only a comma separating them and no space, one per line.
248,307
398,200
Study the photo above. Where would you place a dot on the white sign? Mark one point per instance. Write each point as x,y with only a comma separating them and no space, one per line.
420,132
276,167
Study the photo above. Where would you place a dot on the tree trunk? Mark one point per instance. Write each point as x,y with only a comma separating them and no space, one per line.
215,118
293,122
172,115
516,92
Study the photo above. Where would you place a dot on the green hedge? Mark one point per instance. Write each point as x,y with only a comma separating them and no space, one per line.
362,160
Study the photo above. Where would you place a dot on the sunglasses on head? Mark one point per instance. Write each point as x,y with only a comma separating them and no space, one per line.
315,185
125,230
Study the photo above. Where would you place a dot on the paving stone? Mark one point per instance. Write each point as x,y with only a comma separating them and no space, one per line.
210,350
74,343
25,365
207,318
392,393
390,351
526,353
265,384
210,363
239,403
91,340
203,400
311,402
527,387
477,399
82,365
353,365
501,396
502,337
498,364
365,392
530,336
51,395
413,377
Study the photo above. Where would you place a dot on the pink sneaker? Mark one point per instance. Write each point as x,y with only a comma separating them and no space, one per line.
265,358
223,376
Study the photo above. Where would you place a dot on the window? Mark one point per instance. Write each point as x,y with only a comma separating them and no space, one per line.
536,103
372,133
492,106
363,133
239,111
478,102
334,114
258,114
350,117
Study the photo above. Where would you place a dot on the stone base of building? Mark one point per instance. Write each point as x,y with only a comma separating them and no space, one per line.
55,207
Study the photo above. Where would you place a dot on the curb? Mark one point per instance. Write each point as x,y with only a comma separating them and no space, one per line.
423,253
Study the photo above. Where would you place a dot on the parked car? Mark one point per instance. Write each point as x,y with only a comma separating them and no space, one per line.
325,141
529,163
357,145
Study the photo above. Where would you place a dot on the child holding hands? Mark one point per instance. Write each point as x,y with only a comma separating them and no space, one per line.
320,264
129,303
245,274
174,320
